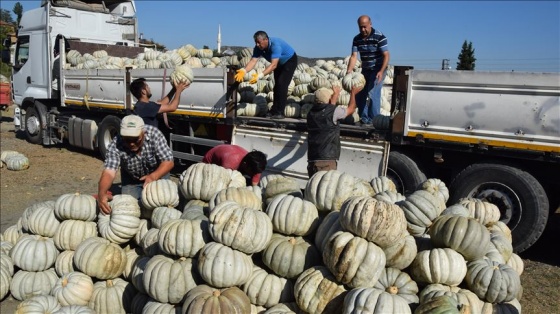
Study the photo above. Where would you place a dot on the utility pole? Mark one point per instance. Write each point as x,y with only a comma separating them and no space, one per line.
219,39
445,64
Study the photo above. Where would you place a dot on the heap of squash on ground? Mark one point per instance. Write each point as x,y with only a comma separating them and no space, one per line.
254,99
210,244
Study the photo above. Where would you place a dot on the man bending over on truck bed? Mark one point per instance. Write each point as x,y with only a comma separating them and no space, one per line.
250,164
148,110
143,156
323,138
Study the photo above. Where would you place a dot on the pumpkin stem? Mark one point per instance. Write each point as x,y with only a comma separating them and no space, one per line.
392,290
216,293
292,240
109,283
64,281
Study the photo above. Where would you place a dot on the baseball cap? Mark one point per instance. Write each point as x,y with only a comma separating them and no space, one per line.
132,126
323,95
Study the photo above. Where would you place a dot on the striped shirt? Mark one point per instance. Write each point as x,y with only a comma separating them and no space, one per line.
154,151
371,49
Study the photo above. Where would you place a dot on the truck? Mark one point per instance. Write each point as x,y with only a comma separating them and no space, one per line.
488,135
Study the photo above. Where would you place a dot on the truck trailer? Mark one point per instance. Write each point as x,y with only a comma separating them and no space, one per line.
488,135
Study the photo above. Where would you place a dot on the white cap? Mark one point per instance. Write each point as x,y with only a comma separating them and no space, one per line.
132,126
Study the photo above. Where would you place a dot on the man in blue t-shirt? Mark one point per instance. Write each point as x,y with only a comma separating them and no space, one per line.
374,54
148,110
283,62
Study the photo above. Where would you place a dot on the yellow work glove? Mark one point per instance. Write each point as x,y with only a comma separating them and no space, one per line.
255,77
239,75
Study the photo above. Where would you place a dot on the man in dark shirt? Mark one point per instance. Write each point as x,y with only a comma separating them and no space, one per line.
323,137
148,110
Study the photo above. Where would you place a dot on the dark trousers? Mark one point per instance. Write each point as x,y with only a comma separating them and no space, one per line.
321,165
283,75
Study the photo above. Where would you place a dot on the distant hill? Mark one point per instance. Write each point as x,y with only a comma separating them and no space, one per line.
301,59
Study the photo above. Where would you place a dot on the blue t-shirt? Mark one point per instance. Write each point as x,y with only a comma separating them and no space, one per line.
148,112
277,49
371,49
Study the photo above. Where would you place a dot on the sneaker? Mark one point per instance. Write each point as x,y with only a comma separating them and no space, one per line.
366,124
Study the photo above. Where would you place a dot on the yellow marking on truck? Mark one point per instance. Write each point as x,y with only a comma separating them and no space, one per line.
495,143
197,113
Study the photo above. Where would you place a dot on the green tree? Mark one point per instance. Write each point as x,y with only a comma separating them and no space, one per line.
6,16
466,57
18,11
5,30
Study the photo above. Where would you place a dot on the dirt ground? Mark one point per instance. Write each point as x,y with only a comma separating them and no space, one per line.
63,169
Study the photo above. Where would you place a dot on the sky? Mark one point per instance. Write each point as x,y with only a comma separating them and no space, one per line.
506,35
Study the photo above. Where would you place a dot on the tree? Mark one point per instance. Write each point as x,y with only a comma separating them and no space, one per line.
6,16
466,57
18,11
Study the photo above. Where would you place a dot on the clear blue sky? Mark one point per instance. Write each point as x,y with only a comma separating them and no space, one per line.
506,35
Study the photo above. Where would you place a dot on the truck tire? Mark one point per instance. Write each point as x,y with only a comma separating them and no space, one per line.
521,198
404,172
34,123
108,129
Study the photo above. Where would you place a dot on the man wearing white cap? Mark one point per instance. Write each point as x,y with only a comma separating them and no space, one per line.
142,154
323,138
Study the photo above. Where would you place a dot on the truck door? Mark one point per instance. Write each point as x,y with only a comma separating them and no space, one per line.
21,69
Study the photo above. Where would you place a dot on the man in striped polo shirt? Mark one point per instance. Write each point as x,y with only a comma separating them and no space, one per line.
374,55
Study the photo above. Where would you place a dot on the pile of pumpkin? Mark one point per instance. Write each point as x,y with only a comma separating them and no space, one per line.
14,160
210,244
254,99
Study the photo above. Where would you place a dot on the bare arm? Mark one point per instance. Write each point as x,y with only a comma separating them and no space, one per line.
352,62
164,168
105,182
174,104
335,95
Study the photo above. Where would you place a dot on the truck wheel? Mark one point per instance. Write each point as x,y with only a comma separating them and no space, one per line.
404,172
521,198
33,125
108,129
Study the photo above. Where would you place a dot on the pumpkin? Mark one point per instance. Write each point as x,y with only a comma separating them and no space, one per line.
456,209
201,181
328,226
12,234
160,193
142,229
443,266
167,280
75,206
153,306
34,253
436,187
329,189
132,254
248,109
492,282
382,184
353,260
122,223
240,228
462,296
484,212
290,256
38,304
6,273
420,208
464,235
206,299
23,221
376,221
516,263
42,220
17,162
276,185
221,266
70,233
353,79
64,263
316,290
266,289
284,308
513,307
185,238
292,110
292,215
502,244
396,282
27,284
74,309
5,247
150,243
95,249
161,215
241,195
441,304
372,300
112,296
401,254
195,210
319,82
100,54
74,288
8,153
182,74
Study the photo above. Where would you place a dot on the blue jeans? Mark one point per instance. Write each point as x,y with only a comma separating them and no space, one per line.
373,91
